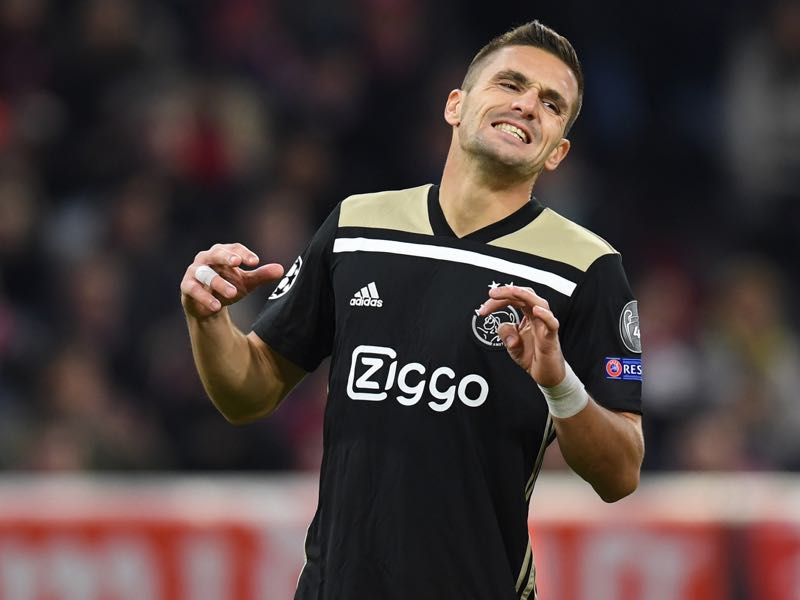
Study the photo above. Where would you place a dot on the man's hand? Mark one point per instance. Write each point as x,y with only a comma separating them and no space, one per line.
602,446
533,343
243,377
233,283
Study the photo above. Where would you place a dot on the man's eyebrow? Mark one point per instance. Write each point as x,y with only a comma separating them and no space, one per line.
513,76
522,80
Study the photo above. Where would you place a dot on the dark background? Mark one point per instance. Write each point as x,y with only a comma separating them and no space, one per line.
134,134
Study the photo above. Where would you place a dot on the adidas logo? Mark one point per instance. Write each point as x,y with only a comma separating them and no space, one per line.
367,296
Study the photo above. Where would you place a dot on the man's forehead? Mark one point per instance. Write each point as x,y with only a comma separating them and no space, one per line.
536,65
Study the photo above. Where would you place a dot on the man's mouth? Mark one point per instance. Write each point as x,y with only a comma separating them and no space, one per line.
512,130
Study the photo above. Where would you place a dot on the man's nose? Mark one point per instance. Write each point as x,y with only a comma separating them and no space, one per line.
527,104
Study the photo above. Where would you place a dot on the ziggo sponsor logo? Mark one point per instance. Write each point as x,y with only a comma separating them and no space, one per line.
374,373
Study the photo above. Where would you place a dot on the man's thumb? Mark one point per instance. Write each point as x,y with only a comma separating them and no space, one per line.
508,333
264,273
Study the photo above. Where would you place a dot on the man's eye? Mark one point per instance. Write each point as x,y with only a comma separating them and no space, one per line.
509,85
553,107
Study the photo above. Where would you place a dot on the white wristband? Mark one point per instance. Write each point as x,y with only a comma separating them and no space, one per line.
567,398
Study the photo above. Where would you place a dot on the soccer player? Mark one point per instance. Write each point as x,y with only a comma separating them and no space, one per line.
428,301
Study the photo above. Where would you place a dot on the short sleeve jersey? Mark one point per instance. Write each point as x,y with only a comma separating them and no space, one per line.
433,436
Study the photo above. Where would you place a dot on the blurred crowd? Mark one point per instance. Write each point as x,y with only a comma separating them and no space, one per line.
134,133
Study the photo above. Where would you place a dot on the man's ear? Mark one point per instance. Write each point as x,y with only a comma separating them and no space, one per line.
452,108
557,154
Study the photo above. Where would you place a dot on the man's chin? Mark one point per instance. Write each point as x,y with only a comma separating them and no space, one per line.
509,166
500,162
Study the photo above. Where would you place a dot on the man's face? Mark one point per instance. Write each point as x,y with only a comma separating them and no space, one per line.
514,117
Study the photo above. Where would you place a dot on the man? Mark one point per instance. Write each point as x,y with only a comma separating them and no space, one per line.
433,436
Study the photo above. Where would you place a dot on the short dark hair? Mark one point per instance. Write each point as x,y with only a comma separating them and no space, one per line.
537,35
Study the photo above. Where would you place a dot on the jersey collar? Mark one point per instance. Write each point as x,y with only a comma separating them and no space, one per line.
513,222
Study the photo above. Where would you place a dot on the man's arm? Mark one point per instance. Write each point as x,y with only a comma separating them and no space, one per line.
244,378
605,448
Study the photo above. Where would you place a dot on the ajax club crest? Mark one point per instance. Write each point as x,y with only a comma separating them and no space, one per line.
485,328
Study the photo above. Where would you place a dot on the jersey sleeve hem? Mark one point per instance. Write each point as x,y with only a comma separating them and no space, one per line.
632,405
282,346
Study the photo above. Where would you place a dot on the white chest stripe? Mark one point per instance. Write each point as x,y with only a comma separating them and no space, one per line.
467,257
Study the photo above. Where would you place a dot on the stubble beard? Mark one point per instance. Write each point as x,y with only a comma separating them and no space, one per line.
494,164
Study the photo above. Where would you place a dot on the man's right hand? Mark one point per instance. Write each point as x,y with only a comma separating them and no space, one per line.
232,284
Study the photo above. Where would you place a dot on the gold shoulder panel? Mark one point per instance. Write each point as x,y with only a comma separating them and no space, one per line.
401,210
557,238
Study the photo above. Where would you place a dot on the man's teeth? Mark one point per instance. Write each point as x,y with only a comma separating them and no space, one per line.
508,128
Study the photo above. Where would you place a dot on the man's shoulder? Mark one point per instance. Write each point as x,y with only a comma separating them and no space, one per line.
402,210
554,237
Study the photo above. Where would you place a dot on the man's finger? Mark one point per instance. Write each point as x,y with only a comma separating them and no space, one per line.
521,297
509,334
195,290
249,257
546,316
493,304
236,254
263,274
526,294
205,275
212,280
229,255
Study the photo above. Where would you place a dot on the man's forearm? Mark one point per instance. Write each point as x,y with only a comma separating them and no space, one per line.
603,447
238,378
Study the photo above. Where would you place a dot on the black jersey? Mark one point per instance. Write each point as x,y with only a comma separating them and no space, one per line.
433,436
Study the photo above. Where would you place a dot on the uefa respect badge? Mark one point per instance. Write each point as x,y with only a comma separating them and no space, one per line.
623,369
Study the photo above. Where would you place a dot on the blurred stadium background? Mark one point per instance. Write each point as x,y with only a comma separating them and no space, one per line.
135,133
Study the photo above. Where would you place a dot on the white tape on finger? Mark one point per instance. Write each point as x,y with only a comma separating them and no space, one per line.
205,274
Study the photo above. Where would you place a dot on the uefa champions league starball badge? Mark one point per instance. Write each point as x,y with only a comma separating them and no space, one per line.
288,280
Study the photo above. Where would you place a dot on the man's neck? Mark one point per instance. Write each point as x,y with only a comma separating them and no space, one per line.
471,199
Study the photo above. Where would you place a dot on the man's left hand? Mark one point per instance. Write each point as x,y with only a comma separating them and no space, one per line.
533,343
